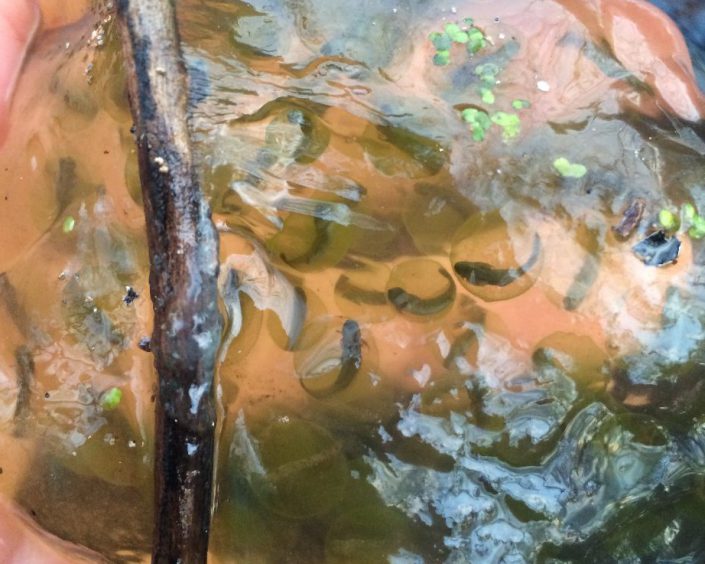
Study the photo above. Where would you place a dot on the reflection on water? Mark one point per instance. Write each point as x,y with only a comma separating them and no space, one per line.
690,16
438,348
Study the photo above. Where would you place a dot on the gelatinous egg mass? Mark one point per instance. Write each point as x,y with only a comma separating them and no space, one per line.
432,215
306,471
421,288
361,291
330,355
494,260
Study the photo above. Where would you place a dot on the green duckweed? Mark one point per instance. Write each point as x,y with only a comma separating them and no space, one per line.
687,219
487,73
668,220
697,228
472,37
487,96
569,170
111,399
479,122
440,41
688,212
510,124
441,58
456,34
69,224
476,40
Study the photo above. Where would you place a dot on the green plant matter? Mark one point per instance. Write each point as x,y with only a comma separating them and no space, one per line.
569,170
668,220
697,229
687,219
487,95
510,124
111,399
441,58
487,73
440,41
479,122
69,224
467,34
456,34
478,118
476,40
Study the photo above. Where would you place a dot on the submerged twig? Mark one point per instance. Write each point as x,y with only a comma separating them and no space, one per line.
25,380
183,248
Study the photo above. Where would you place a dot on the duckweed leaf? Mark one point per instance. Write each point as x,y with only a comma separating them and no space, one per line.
441,58
487,95
111,399
520,104
697,228
487,73
510,124
668,220
691,220
440,41
479,122
569,170
69,224
476,40
461,37
688,212
456,34
451,29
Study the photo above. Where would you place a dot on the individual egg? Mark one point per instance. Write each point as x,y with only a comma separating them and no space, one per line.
494,260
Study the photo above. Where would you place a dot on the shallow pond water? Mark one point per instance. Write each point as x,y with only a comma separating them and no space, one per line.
438,347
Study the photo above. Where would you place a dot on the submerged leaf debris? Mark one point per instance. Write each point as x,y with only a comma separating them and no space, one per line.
658,249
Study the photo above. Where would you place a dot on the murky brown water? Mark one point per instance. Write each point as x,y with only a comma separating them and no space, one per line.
438,348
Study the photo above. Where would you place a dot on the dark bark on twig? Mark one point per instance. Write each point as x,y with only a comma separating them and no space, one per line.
183,248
